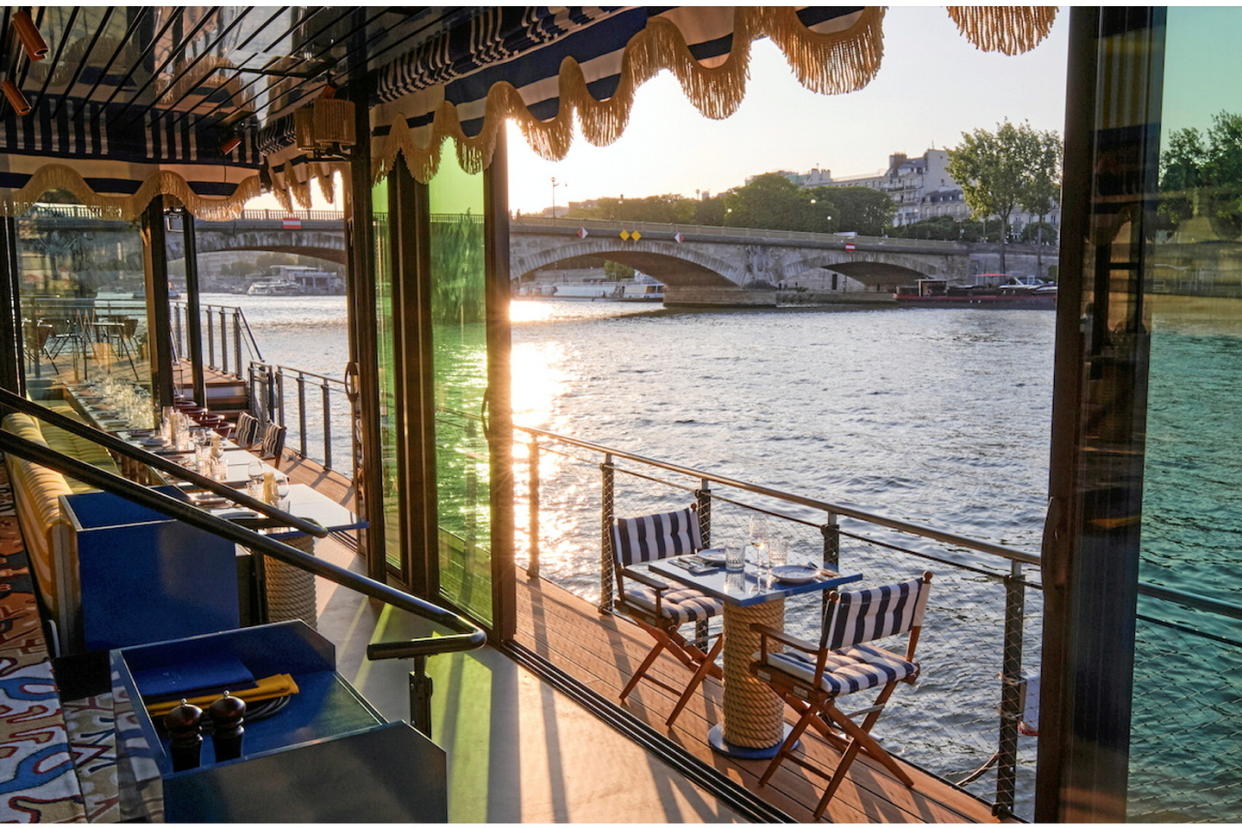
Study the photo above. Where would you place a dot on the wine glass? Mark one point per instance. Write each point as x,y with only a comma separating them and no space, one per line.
254,474
759,540
282,491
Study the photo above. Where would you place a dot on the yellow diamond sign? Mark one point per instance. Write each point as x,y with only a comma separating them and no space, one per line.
625,235
635,236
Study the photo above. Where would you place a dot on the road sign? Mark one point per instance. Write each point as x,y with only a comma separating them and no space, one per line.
625,235
635,236
290,224
582,233
679,238
850,247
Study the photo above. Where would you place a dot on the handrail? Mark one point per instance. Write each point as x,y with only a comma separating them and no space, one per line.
240,313
1188,599
466,635
103,438
813,503
304,373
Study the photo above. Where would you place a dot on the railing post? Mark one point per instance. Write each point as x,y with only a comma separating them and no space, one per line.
703,498
302,413
177,310
224,342
211,343
420,697
832,542
280,396
237,357
327,426
605,547
532,567
1011,691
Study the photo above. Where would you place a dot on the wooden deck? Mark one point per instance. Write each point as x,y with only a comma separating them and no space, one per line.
602,652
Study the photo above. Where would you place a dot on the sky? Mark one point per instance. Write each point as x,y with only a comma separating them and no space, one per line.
932,85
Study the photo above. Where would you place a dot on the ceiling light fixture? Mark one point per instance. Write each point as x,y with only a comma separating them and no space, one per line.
28,34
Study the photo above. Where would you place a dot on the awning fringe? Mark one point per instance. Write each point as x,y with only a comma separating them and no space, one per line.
1010,30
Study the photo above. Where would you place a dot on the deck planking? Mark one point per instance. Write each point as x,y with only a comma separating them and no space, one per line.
602,652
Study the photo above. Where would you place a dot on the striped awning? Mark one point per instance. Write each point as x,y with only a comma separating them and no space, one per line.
137,102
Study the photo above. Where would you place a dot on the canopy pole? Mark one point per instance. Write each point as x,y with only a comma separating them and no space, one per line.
155,265
11,370
194,322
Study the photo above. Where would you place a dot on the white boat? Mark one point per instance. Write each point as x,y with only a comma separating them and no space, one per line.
277,288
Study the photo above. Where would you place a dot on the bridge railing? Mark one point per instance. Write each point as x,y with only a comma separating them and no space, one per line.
662,229
229,345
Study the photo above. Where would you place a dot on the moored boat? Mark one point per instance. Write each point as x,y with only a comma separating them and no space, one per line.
1017,294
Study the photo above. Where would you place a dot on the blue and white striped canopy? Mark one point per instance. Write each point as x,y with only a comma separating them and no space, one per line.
137,102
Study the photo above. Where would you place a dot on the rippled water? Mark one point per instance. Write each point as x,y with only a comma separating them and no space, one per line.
936,417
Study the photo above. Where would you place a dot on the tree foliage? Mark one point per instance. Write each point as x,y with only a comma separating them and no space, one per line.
1202,175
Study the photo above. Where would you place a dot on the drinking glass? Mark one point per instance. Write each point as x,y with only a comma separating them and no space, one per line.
778,552
282,491
735,558
254,474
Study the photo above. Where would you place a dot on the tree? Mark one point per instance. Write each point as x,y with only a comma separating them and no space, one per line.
770,201
995,170
858,209
1202,175
1043,186
1181,174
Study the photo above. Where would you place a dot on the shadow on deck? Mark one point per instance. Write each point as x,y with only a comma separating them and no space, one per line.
602,651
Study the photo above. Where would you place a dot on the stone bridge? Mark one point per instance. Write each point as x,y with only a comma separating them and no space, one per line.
732,265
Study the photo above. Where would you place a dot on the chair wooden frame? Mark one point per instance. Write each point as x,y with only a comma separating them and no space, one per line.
664,630
817,708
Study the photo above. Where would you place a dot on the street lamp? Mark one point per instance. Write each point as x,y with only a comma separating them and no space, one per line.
555,184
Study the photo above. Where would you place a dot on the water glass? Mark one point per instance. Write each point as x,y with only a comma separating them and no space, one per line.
254,473
735,558
778,552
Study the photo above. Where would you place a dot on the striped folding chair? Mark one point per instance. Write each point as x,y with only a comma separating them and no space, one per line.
247,430
273,444
811,679
660,608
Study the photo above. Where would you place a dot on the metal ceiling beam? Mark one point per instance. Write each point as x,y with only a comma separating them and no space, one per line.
273,61
186,72
172,18
65,37
86,56
173,53
120,46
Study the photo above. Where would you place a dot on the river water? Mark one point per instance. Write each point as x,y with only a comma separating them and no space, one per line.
938,417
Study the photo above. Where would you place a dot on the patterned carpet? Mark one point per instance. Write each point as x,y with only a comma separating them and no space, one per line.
37,779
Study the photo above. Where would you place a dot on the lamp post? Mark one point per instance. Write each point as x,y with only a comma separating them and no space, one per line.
555,184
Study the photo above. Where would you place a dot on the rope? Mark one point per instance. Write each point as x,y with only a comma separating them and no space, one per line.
752,711
290,590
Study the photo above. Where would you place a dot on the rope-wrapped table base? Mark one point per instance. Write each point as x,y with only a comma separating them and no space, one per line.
290,591
752,712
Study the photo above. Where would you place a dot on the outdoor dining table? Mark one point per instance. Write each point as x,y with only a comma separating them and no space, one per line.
754,723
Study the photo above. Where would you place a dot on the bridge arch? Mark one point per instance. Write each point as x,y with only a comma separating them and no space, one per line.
667,262
870,271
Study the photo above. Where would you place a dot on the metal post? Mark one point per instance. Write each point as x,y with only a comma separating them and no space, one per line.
224,343
176,318
1011,691
237,343
532,567
211,342
191,307
832,542
420,697
302,412
605,547
703,498
327,427
280,396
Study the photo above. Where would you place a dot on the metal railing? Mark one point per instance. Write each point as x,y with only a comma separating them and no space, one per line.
314,408
986,602
463,636
228,343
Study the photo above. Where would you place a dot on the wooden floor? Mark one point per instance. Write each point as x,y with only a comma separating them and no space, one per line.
602,652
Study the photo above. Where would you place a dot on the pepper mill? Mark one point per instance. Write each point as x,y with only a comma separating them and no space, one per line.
227,714
182,724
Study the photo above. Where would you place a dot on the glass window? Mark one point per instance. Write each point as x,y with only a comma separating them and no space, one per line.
385,359
1185,731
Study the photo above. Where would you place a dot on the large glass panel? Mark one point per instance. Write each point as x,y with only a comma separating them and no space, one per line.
83,307
1184,758
459,341
385,358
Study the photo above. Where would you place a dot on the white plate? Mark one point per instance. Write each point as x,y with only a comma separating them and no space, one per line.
714,556
795,574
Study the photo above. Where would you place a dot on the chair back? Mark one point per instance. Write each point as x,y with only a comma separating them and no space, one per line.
868,615
247,429
651,537
273,444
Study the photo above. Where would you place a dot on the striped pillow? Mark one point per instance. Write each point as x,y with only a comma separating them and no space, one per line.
872,614
649,538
